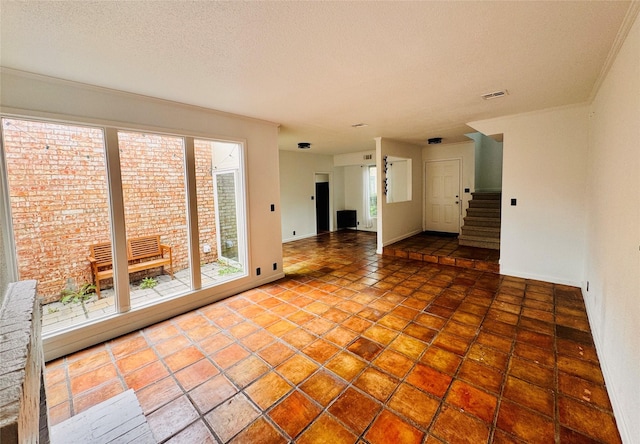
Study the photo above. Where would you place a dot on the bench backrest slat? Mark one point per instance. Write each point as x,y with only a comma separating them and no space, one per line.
143,247
137,248
102,254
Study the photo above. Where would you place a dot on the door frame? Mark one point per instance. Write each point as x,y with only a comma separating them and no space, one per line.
425,182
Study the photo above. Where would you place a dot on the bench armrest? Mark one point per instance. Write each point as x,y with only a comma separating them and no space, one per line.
91,259
165,248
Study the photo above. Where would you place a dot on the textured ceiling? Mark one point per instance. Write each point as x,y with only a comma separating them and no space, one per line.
410,70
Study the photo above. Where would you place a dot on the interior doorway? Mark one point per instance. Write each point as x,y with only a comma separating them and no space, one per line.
322,203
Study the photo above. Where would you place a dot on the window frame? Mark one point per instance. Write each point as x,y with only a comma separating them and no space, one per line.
125,318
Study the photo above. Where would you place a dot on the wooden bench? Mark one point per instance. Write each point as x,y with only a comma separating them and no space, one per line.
143,253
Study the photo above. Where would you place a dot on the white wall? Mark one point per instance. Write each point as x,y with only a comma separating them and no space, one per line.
613,233
465,151
36,96
353,192
488,164
399,179
355,158
544,168
399,220
297,186
338,187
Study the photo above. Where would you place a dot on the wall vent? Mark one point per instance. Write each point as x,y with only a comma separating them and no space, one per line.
495,94
367,156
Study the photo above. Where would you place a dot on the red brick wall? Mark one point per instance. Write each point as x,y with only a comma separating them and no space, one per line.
59,199
206,209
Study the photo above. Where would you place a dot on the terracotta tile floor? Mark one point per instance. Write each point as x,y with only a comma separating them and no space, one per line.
354,347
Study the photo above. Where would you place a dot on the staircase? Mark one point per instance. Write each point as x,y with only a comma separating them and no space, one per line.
481,227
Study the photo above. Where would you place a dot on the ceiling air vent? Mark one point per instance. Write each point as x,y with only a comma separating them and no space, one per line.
495,94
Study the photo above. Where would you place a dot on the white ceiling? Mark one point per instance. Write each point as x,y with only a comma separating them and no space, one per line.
410,70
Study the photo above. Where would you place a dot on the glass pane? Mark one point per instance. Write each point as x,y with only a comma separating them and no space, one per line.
59,204
153,186
373,192
220,211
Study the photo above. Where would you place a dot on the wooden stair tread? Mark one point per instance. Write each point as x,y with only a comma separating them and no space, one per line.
486,196
478,238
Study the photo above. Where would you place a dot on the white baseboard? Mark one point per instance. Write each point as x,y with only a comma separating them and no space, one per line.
295,238
402,237
552,279
618,412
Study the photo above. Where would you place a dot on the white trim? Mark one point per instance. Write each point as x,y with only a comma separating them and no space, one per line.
551,279
399,238
306,236
621,37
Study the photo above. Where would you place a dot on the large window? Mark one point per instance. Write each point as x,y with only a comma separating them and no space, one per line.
219,184
59,205
65,183
153,187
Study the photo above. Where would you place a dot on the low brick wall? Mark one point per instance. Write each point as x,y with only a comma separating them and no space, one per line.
23,412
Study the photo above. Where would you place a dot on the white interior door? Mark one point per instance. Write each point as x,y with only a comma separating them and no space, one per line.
442,194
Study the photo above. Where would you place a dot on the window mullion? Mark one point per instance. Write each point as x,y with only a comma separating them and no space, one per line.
192,213
118,226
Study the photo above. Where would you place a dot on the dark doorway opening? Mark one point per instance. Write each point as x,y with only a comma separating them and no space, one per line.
322,207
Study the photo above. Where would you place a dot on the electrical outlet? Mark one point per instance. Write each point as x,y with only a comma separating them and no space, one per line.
275,266
258,271
587,285
273,207
294,232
